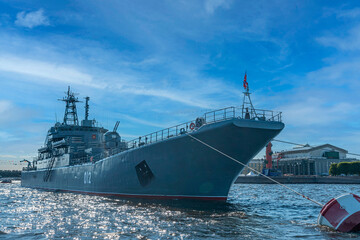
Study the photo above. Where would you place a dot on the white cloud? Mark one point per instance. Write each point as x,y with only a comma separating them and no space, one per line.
348,13
31,19
4,107
313,111
127,81
212,5
141,121
10,113
184,97
7,156
345,73
181,81
46,71
349,42
5,137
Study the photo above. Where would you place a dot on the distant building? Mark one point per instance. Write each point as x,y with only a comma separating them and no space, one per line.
304,160
310,160
257,164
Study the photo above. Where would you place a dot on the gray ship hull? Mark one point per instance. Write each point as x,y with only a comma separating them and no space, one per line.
176,168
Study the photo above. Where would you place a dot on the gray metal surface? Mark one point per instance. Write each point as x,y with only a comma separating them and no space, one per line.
180,165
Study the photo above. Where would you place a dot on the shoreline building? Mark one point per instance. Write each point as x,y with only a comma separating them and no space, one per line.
310,160
255,163
306,160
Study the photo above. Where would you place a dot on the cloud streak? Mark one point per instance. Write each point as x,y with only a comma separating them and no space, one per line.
348,13
350,42
170,94
142,121
45,70
212,5
5,106
32,19
312,111
6,137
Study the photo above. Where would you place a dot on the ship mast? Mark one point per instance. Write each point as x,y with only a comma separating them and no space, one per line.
247,103
87,107
70,117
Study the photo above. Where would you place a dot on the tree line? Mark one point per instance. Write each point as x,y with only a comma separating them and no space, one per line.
347,168
10,173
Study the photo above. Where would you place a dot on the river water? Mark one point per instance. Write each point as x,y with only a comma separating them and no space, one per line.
252,212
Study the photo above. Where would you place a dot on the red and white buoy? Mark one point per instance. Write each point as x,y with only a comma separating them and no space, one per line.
342,213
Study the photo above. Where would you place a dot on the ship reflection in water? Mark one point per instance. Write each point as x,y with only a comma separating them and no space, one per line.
252,212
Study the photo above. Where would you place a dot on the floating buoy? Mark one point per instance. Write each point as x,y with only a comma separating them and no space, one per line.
341,213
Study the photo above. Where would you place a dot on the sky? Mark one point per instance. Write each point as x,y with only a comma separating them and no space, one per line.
154,64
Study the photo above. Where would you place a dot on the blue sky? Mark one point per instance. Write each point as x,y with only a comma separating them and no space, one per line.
153,64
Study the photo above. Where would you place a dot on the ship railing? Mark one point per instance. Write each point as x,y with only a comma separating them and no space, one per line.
244,113
163,134
187,127
260,114
209,117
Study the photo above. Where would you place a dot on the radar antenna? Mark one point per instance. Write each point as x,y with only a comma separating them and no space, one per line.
70,117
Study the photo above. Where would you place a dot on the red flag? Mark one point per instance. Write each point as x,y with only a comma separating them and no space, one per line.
245,82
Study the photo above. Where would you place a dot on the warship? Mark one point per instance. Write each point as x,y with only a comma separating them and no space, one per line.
167,164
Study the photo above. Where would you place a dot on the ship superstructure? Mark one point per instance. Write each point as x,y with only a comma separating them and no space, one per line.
70,143
164,164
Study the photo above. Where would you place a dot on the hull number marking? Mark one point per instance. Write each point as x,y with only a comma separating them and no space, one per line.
87,177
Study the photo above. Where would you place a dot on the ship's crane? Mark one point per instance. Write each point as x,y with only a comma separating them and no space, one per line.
29,163
116,126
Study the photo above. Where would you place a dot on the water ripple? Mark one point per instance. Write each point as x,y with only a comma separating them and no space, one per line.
252,212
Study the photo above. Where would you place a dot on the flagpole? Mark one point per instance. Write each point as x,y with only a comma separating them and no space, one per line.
247,95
